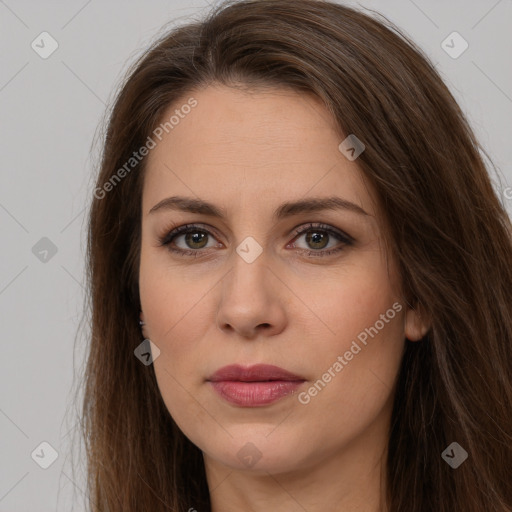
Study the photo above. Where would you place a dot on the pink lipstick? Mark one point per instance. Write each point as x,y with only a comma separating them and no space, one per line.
254,386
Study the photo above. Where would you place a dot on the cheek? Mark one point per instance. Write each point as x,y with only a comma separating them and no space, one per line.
172,312
354,300
173,308
169,308
169,300
356,361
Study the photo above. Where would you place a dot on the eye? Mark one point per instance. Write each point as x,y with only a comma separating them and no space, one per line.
195,239
318,236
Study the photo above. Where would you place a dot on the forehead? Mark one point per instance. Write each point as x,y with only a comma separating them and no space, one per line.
246,146
273,123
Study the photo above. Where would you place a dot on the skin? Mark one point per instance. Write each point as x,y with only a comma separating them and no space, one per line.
248,153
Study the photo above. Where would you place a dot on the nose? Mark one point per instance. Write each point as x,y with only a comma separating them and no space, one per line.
252,299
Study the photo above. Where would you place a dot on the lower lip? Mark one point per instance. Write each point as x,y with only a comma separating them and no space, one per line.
254,394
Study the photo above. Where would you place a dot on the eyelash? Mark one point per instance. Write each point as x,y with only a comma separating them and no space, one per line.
191,228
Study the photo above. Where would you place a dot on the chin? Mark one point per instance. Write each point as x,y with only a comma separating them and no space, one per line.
257,452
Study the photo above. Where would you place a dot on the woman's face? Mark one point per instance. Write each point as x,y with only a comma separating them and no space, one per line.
244,287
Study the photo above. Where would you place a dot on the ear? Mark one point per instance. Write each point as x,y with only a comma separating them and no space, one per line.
143,327
417,324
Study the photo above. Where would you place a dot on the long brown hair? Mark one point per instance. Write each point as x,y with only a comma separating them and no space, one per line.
447,228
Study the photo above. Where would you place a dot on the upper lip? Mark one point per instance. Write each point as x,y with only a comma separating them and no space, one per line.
255,373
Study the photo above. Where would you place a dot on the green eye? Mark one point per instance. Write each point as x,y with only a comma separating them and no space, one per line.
317,237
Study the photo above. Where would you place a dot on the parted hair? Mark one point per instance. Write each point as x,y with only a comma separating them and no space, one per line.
445,224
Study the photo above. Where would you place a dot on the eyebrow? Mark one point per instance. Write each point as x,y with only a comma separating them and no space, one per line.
288,209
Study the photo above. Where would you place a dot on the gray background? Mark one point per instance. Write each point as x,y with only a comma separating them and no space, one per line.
50,111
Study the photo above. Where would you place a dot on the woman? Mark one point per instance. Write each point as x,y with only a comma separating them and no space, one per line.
300,277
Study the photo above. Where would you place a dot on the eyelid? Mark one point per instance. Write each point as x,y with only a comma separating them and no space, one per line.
297,230
174,231
345,237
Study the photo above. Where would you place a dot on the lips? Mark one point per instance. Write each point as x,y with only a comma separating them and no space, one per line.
256,373
254,386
